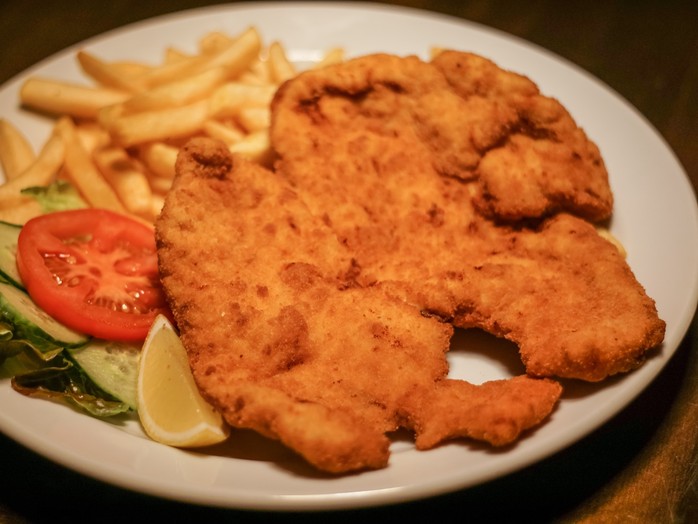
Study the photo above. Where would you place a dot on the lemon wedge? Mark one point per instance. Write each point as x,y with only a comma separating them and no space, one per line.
170,407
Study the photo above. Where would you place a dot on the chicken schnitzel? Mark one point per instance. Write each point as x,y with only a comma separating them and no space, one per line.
475,121
317,300
281,338
538,161
472,198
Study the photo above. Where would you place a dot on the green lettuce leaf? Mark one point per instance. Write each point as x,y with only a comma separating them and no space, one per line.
5,332
57,196
62,379
52,375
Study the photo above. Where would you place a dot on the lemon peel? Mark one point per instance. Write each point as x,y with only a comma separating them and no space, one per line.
170,406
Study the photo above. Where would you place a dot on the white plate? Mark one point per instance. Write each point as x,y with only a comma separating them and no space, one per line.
656,219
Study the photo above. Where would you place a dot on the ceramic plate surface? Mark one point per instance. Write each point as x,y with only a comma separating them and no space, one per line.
656,218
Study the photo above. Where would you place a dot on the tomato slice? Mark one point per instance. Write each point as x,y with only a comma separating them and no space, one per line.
93,270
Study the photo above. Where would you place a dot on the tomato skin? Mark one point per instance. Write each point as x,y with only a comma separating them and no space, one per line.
93,270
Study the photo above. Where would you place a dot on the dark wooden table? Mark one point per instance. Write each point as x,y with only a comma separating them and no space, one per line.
639,467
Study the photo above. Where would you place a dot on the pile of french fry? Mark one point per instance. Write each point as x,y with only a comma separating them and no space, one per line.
116,139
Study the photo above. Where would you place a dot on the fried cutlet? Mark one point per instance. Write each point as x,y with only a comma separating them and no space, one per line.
284,339
316,301
470,198
476,120
542,162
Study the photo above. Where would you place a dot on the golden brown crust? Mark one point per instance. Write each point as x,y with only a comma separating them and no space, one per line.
567,298
541,162
493,412
316,302
281,341
551,285
477,120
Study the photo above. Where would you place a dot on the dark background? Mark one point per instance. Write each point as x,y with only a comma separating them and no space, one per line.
640,467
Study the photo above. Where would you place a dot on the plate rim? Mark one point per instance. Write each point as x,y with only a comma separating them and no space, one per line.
378,497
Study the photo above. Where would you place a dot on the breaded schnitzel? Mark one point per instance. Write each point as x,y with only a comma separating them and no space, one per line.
316,301
542,162
283,340
476,121
468,197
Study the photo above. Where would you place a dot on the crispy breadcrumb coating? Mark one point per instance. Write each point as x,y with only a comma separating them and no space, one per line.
317,301
282,340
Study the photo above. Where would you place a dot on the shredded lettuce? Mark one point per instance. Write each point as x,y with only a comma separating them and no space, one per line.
57,196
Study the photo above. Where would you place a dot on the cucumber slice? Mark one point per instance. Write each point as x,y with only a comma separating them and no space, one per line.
8,253
29,322
113,366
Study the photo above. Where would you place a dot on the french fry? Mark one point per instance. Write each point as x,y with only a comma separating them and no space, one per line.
434,52
82,171
279,65
16,153
214,42
234,58
171,71
117,140
109,114
159,185
19,209
156,205
173,55
126,177
254,146
605,233
225,133
41,172
333,56
62,98
180,92
238,55
92,136
105,74
257,74
231,97
160,159
254,119
130,69
176,122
